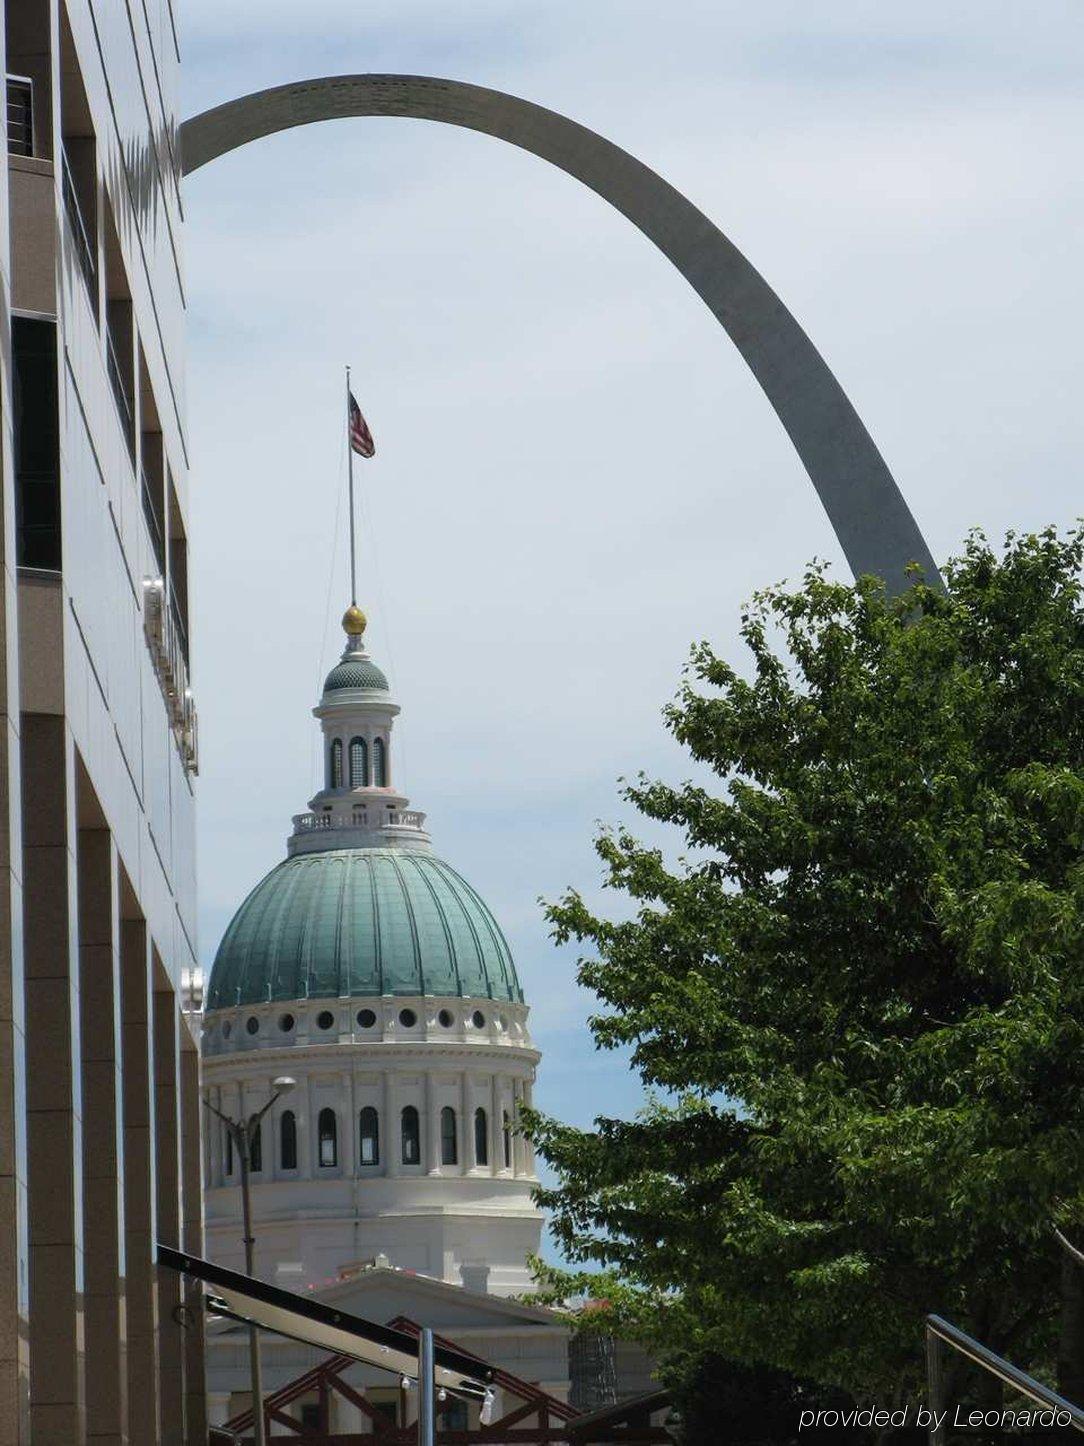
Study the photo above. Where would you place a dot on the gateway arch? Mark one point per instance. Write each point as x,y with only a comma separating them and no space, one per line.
864,505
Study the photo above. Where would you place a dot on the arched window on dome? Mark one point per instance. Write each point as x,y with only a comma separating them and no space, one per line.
506,1131
380,763
255,1149
481,1137
336,769
359,763
328,1132
411,1136
288,1140
449,1144
370,1136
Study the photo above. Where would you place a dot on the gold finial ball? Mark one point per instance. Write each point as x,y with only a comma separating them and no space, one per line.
354,621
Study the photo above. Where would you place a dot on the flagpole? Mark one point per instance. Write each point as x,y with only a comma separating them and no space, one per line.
350,465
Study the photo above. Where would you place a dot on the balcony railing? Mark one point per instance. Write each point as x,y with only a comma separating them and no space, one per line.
154,527
160,626
20,115
359,818
120,393
85,252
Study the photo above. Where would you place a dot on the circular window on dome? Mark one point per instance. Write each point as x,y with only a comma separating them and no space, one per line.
252,1024
366,1018
227,1029
446,1018
407,1018
325,1019
478,1019
286,1023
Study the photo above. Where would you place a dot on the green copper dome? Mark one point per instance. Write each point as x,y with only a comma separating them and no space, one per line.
348,922
356,673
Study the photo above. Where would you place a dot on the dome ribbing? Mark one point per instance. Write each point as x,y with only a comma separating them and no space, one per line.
356,673
366,921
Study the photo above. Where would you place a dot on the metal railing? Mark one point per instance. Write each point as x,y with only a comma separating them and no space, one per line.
20,102
120,393
86,254
150,516
941,1333
360,818
170,665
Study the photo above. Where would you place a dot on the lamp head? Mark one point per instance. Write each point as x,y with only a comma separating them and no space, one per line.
283,1085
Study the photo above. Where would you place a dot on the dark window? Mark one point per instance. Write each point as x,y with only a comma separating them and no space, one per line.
507,1132
325,1019
366,1018
286,1023
370,1136
37,443
380,764
20,115
310,1416
252,1024
481,1137
407,1018
328,1131
337,763
449,1150
446,1018
359,763
288,1140
478,1019
255,1149
412,1144
455,1416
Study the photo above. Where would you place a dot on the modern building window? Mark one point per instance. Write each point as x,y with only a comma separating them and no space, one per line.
288,1140
411,1133
449,1145
370,1136
481,1137
506,1131
359,763
336,770
328,1133
37,443
380,763
229,1152
255,1149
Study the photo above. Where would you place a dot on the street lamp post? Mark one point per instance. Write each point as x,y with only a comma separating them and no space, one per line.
242,1132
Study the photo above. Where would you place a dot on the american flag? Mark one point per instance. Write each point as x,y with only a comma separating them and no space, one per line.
361,439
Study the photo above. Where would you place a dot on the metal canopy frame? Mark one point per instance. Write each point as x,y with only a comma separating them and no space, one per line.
285,1313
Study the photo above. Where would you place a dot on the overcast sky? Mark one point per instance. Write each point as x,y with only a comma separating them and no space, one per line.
576,477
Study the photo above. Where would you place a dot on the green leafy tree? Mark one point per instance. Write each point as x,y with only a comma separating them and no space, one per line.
859,1000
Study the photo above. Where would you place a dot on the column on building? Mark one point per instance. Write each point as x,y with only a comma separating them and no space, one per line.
139,1170
391,1103
103,1140
53,1100
167,1134
466,1125
430,1122
193,1314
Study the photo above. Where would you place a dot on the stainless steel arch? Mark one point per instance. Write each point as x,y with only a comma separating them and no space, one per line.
865,507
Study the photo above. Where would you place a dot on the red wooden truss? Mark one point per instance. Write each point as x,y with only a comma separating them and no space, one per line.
532,1416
